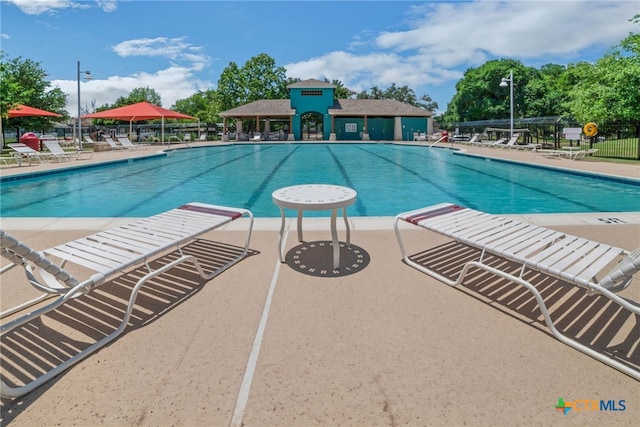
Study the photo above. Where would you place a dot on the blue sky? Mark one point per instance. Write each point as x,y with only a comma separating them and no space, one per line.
180,47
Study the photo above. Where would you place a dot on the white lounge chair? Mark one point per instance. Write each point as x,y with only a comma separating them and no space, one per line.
58,153
567,154
5,160
569,258
511,143
498,143
128,145
473,139
22,152
186,137
417,136
495,143
102,256
203,137
257,137
114,145
89,140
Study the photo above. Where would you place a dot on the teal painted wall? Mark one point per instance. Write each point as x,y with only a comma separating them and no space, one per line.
380,128
411,125
341,132
307,104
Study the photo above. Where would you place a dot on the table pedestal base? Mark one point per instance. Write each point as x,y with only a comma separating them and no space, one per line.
334,234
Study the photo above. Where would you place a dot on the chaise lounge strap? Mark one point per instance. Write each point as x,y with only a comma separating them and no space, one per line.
420,216
12,248
211,210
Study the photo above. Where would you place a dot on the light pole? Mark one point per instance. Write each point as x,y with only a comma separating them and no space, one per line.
503,83
87,76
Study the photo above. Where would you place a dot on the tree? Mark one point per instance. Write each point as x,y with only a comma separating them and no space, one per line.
340,92
479,95
259,78
426,103
610,89
202,105
263,80
11,92
24,81
139,94
543,94
231,88
402,94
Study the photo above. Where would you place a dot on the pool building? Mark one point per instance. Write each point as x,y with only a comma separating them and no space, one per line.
335,119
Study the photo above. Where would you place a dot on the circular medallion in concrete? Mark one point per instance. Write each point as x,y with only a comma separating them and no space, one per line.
316,259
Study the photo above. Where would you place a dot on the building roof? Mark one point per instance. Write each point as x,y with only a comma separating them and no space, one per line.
375,107
341,107
262,107
311,84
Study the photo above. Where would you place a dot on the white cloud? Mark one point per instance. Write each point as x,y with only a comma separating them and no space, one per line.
177,81
171,84
446,38
36,7
172,48
108,5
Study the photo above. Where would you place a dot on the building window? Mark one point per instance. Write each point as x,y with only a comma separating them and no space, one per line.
351,127
311,93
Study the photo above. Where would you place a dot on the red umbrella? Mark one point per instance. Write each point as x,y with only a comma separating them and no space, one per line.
26,111
137,112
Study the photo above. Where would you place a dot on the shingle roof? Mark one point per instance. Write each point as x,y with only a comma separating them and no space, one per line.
262,107
341,107
375,107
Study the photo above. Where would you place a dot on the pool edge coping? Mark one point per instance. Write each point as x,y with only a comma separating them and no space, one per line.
378,223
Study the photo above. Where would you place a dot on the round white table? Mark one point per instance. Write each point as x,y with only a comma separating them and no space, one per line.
316,197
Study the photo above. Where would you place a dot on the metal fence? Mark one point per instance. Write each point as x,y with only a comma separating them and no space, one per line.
617,140
620,140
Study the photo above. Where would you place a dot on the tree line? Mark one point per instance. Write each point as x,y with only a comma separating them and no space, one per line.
607,90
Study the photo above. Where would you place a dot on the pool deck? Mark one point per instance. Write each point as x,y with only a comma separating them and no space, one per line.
264,344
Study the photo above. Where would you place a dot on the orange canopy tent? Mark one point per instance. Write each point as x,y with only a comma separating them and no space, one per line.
138,112
26,111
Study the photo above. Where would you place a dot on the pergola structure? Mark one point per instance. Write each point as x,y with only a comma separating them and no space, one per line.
264,109
341,119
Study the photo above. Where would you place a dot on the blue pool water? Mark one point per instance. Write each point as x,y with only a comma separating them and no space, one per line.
389,179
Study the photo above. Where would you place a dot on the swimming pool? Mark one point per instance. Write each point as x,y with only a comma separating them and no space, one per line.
389,179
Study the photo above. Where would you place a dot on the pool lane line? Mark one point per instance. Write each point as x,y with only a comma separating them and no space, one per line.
245,386
360,208
422,178
523,184
187,179
267,179
131,174
535,189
